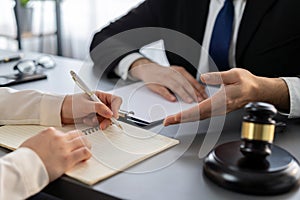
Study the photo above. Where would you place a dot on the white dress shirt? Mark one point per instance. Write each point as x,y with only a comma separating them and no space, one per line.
214,8
22,172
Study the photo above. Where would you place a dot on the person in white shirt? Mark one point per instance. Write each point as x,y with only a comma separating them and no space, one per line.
263,54
47,155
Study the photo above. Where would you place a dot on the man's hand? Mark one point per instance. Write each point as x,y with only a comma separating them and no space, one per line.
167,81
80,108
59,151
238,87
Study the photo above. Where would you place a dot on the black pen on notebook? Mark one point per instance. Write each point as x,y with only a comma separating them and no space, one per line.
92,95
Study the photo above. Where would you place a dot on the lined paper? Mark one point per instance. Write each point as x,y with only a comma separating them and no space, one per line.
113,150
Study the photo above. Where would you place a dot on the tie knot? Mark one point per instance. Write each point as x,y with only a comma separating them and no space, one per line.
228,2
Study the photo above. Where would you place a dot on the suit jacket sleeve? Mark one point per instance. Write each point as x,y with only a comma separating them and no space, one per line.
293,84
147,14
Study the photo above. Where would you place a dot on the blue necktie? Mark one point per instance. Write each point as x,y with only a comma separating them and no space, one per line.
221,36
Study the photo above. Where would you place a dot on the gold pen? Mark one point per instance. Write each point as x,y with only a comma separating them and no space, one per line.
92,95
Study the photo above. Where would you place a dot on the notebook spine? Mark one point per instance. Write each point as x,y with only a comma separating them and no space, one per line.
91,130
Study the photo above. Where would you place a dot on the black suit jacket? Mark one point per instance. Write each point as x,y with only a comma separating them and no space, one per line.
268,42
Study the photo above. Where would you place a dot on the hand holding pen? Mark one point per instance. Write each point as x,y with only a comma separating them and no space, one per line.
91,94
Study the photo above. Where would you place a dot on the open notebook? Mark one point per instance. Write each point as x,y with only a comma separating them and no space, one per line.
113,150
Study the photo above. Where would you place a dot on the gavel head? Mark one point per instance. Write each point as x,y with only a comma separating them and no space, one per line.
258,130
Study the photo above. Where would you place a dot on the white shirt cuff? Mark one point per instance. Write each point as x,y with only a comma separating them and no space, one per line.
293,84
24,174
124,65
50,112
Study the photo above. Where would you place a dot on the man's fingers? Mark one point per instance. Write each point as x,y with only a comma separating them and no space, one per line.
200,89
202,111
163,91
192,114
201,94
173,119
218,78
184,94
180,83
180,86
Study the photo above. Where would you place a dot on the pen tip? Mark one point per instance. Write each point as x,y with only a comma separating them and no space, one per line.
121,127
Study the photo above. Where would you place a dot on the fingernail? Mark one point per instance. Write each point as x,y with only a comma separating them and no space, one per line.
101,127
189,100
176,119
165,123
200,99
173,98
109,113
204,77
95,119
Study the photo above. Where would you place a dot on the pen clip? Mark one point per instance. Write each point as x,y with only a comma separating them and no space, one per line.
125,114
129,117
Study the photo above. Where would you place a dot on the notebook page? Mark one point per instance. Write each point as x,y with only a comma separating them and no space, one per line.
11,137
113,150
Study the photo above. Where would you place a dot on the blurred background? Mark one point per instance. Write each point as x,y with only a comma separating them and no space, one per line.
38,25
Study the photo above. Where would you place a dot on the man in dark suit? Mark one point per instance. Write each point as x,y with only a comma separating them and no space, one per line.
264,41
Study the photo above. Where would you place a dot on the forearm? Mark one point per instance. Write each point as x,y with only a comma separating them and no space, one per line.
137,68
29,107
122,70
17,177
274,91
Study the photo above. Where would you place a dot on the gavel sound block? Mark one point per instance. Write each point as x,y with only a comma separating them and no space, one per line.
254,165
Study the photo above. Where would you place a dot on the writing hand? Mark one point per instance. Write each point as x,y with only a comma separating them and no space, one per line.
80,108
59,151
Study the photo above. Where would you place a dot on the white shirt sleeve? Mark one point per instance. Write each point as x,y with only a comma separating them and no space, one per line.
22,172
124,65
20,179
30,107
293,84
